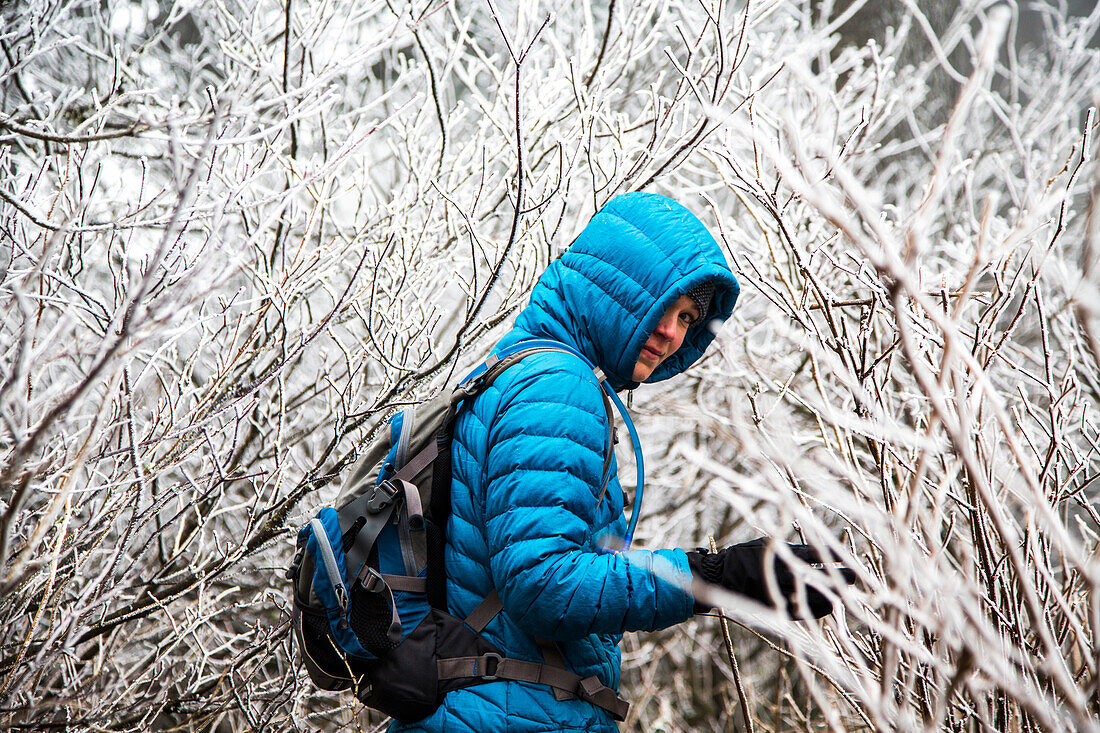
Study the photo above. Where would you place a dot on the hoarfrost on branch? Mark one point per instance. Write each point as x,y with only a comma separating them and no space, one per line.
234,236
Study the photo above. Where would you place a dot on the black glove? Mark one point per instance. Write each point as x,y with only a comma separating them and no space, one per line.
741,569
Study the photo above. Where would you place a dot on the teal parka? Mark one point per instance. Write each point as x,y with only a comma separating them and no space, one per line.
528,455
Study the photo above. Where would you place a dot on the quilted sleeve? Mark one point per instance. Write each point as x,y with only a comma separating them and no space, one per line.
545,458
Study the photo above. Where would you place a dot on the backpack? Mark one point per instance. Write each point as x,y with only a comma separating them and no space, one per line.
368,576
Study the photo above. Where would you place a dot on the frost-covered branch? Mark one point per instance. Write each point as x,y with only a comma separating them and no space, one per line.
243,233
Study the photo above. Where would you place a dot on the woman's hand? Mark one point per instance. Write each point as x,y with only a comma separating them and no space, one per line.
742,569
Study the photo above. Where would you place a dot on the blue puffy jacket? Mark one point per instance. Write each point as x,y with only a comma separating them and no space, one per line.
528,457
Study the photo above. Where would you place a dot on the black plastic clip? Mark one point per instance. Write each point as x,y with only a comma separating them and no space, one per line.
296,564
468,389
381,496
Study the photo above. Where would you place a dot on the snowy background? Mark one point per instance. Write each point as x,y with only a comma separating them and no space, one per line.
234,235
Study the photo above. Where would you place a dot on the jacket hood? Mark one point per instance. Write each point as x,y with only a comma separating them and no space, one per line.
609,289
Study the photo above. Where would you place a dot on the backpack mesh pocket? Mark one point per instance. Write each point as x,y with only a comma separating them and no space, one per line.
374,618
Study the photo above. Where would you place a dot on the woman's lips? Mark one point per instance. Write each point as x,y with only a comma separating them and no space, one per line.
651,352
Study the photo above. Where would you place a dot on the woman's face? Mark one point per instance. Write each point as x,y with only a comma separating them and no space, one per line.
667,337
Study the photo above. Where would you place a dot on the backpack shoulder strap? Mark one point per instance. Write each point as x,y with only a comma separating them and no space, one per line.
481,378
484,375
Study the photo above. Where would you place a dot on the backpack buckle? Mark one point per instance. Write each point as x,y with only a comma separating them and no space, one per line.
370,579
381,496
296,564
468,389
490,672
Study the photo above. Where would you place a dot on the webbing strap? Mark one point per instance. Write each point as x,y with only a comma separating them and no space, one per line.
602,696
406,583
405,540
550,652
485,612
413,507
553,657
440,509
368,535
489,667
372,582
418,463
411,519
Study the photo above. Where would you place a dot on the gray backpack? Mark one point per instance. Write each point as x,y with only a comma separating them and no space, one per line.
368,576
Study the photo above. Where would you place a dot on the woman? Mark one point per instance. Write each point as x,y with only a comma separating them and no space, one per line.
633,294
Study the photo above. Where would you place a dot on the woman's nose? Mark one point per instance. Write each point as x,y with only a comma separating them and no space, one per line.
665,328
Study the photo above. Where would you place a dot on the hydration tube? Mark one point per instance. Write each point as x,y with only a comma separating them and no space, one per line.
636,510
